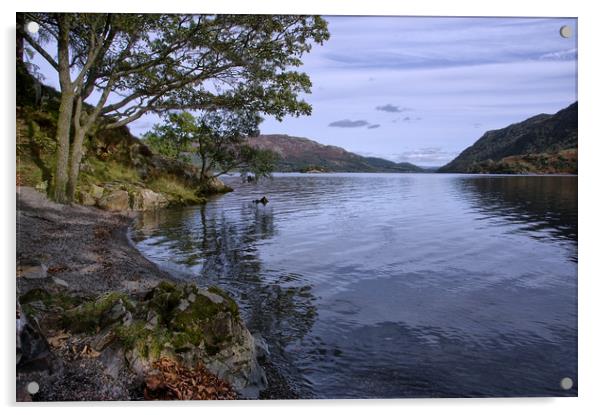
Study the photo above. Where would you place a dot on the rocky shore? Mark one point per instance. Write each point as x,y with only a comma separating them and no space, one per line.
98,321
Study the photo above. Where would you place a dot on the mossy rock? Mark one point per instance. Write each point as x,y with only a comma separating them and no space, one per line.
90,316
58,300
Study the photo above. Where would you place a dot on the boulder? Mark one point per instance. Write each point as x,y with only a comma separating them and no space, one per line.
115,200
86,199
42,186
146,199
96,191
213,186
33,352
177,321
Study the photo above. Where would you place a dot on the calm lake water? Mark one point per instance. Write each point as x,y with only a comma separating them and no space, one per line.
393,285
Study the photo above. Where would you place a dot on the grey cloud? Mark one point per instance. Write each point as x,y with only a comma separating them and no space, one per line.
391,108
373,126
427,155
349,123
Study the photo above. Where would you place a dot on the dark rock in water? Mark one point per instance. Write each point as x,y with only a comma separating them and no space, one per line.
263,201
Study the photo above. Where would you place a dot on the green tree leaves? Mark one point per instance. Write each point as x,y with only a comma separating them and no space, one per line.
216,138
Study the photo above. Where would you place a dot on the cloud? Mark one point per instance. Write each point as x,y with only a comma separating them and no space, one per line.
560,55
370,127
391,108
426,155
349,123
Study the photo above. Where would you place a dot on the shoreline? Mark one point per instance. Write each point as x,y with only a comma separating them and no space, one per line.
87,252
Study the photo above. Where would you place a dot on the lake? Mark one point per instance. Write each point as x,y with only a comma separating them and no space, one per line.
393,285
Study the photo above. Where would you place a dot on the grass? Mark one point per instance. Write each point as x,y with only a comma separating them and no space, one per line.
176,192
99,172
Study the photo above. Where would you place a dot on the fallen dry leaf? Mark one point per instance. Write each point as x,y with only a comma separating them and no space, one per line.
171,381
58,339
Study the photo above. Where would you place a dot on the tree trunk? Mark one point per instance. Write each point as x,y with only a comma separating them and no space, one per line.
63,128
62,155
76,158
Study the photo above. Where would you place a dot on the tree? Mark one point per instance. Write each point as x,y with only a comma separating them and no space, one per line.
218,139
114,68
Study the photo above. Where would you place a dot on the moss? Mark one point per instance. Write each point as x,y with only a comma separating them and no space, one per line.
60,300
231,305
100,172
164,300
90,315
132,334
177,330
36,294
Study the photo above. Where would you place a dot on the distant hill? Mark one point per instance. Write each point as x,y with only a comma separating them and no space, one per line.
541,144
302,154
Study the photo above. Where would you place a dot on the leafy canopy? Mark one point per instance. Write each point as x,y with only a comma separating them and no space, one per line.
217,139
161,62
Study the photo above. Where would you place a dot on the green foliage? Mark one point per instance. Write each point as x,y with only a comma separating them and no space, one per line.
158,62
258,162
40,139
140,63
173,138
218,139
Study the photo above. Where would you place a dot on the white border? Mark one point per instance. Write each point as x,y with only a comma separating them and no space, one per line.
590,96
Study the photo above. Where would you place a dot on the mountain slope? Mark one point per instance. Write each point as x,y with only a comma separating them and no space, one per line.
541,144
302,154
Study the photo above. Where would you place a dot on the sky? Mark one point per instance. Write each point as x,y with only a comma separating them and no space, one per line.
422,89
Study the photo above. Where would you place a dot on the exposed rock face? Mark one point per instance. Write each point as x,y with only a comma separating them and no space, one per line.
115,200
146,199
127,333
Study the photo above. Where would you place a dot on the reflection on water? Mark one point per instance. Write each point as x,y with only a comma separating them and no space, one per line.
208,246
539,203
392,285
